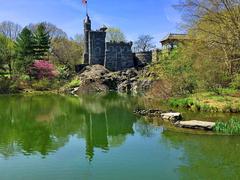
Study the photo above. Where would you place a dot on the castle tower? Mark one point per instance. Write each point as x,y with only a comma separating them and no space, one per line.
87,29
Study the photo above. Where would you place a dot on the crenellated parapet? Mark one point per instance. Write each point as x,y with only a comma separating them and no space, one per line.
118,56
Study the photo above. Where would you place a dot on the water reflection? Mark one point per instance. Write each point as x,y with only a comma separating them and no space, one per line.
43,124
205,157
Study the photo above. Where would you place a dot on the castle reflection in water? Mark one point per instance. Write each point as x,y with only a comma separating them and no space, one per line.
44,124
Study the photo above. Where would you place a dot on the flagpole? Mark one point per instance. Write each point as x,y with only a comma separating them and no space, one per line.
86,7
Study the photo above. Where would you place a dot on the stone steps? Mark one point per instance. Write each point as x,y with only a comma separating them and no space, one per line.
176,119
195,124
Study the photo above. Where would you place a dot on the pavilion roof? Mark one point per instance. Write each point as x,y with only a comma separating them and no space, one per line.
173,36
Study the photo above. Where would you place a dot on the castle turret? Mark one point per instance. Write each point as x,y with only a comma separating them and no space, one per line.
87,29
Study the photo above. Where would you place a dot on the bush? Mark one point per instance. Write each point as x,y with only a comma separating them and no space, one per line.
7,86
42,69
177,70
236,82
74,83
64,72
231,127
42,85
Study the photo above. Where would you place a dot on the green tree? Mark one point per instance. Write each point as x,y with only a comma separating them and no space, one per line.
66,52
217,25
42,42
24,50
115,35
6,53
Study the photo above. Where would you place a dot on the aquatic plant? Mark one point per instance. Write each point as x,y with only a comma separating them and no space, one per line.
231,127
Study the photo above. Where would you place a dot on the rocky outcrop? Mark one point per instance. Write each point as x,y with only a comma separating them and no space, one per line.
97,78
93,80
194,124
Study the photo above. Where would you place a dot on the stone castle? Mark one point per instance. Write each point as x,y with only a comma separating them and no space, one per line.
115,56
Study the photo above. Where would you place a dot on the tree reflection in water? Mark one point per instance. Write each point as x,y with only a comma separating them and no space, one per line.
205,156
43,124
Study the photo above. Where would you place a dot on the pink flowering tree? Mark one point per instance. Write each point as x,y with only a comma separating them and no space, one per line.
42,69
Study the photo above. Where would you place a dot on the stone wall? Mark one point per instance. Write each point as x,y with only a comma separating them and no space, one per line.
96,47
143,58
156,54
118,56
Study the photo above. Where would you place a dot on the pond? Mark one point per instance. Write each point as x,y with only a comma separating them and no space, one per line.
98,137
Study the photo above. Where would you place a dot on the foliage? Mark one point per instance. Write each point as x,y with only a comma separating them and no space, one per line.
215,27
24,50
64,72
7,86
42,85
42,69
66,52
231,127
74,83
6,53
115,35
42,42
21,55
177,70
226,100
209,60
236,82
144,43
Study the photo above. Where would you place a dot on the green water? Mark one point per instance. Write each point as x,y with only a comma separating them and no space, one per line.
98,137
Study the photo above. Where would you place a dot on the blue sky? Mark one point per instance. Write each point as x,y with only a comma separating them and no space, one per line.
134,17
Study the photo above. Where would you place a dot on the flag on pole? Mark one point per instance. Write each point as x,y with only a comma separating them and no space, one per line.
84,2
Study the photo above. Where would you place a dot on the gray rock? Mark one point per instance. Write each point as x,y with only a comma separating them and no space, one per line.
194,124
96,78
149,112
171,116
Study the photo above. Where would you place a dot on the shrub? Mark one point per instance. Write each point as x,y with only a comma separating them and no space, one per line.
42,85
236,82
4,85
42,69
7,86
231,127
64,72
74,83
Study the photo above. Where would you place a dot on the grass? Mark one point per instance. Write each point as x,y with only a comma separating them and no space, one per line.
231,127
224,100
